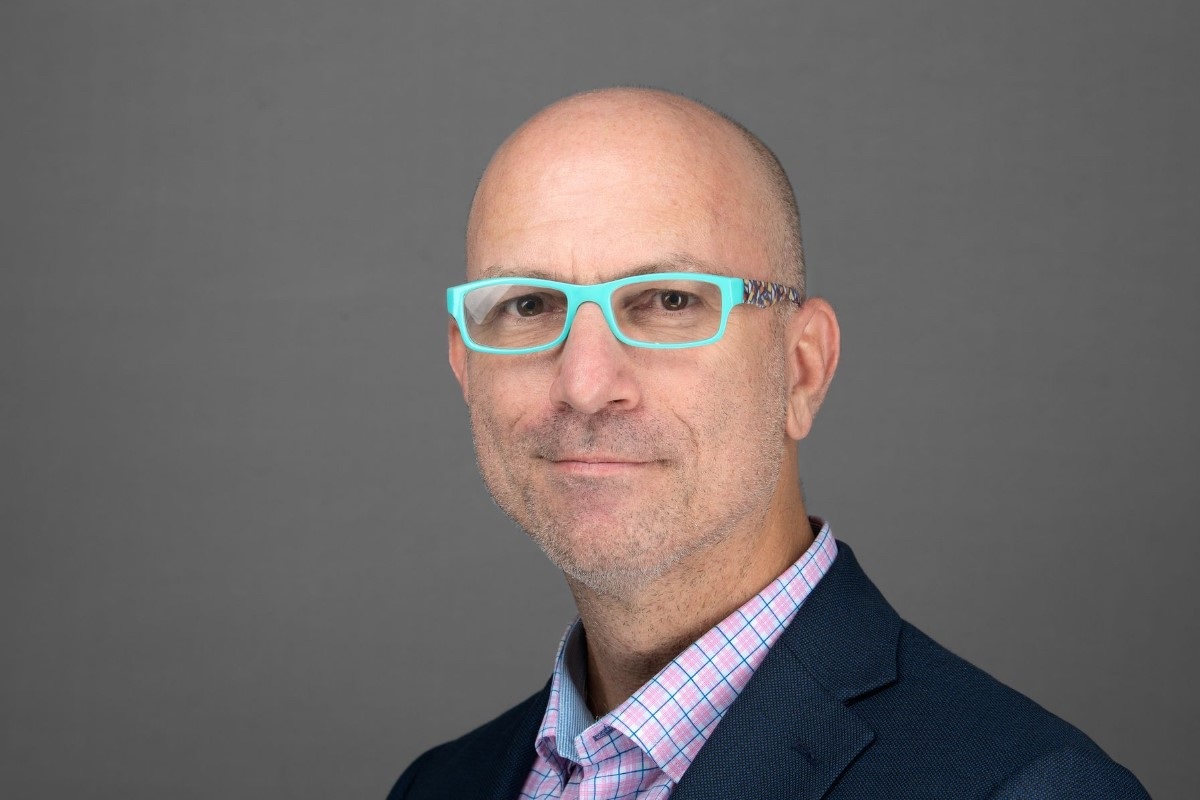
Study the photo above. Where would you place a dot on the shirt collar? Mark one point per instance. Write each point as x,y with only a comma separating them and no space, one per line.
574,716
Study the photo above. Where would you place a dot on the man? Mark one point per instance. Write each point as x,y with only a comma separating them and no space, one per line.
640,361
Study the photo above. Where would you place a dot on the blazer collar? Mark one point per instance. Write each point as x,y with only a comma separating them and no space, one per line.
846,634
790,732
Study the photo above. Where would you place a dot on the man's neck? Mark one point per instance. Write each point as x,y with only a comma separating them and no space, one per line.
630,638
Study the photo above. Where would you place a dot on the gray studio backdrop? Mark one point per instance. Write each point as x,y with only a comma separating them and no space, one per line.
244,550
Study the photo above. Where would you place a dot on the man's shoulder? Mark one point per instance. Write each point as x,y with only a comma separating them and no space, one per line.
950,687
884,666
496,750
1072,772
972,724
936,725
948,728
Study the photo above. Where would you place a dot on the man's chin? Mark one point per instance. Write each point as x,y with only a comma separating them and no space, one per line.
610,579
600,551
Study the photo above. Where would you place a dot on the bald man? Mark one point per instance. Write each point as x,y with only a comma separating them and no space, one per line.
640,360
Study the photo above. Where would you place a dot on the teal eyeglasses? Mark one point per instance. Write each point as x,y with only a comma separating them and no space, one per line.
663,310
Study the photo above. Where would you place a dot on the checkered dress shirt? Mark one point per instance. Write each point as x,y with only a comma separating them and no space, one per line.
641,748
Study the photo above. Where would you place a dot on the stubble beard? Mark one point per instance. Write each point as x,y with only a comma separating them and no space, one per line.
622,555
566,516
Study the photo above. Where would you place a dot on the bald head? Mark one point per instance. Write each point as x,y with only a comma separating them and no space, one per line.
637,145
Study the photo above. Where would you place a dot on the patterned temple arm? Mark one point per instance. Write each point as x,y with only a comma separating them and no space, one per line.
765,293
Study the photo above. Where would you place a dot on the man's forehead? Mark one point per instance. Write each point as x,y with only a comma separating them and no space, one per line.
672,262
614,234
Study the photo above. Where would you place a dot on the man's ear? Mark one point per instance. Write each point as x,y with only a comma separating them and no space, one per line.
814,343
458,356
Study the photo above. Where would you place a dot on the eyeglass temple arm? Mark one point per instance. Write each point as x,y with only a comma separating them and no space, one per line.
765,293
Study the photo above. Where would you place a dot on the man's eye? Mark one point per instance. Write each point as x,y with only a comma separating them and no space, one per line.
674,300
528,306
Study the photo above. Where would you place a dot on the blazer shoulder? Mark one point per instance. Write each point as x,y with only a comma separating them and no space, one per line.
1072,773
499,750
951,687
985,733
941,725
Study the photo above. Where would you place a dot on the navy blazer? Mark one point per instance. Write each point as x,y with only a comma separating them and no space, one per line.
851,702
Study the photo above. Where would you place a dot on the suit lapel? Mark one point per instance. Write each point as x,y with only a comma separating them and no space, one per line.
785,737
791,732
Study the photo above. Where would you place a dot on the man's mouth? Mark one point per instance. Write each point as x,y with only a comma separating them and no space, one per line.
596,464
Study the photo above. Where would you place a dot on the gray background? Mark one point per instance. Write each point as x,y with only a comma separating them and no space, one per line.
245,552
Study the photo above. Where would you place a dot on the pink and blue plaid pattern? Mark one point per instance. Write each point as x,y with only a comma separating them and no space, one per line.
642,748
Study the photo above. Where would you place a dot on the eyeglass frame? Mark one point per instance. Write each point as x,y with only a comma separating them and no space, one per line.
734,292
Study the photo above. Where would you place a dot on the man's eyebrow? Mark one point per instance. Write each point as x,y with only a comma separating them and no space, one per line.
674,262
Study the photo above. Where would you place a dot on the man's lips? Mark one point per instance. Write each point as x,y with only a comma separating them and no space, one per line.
593,464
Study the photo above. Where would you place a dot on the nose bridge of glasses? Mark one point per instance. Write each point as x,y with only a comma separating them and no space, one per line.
599,295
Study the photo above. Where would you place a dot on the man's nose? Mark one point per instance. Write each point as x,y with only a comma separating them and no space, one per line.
594,372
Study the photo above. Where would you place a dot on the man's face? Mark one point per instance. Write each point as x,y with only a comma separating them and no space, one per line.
621,461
